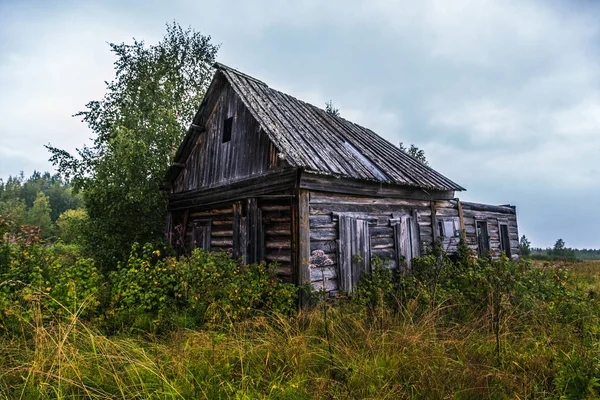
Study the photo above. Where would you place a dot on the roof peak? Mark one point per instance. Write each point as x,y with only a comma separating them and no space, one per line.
220,66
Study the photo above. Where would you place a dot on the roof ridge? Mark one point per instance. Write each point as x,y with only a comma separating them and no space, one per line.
219,66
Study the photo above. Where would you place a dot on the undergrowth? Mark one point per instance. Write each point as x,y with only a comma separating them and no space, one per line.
205,327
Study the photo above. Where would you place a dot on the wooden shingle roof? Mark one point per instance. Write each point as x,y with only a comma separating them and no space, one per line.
316,141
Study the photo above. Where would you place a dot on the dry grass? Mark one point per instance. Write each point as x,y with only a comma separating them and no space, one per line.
413,353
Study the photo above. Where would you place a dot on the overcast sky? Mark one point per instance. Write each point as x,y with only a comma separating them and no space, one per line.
503,95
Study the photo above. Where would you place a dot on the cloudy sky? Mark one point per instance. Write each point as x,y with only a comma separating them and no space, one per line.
503,96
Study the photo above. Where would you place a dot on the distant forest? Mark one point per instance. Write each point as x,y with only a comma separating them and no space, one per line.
42,200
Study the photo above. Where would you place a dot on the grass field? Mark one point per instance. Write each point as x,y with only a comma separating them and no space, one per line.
334,351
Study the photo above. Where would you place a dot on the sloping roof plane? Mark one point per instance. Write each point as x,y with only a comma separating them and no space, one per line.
316,141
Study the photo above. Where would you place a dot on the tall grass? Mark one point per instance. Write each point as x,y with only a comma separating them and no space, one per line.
411,348
407,354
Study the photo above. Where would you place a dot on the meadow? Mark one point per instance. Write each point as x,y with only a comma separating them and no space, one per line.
170,327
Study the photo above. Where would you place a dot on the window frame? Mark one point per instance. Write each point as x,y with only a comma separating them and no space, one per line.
202,234
481,251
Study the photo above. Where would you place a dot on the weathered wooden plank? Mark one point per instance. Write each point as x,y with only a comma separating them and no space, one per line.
222,233
279,257
384,253
276,182
222,243
278,244
328,198
303,237
323,234
320,273
329,285
324,183
381,231
446,212
433,220
382,243
328,246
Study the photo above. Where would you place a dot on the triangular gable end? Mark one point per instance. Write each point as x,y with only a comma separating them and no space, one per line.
225,143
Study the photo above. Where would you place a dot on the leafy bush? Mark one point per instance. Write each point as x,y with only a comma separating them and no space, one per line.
55,277
151,292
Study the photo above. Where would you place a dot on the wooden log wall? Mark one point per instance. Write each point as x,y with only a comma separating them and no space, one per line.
472,213
324,213
276,230
446,210
214,163
221,227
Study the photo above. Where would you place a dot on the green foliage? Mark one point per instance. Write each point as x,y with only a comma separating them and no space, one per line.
330,109
71,225
57,277
414,152
39,215
464,328
36,201
205,287
138,124
525,246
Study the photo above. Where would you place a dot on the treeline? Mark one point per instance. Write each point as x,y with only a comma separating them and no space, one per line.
558,252
45,201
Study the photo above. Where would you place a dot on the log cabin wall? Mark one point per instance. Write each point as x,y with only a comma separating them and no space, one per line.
229,226
492,217
231,148
381,216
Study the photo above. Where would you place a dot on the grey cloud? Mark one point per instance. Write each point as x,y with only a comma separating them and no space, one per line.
502,95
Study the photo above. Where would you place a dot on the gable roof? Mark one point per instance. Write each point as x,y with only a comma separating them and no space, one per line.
318,142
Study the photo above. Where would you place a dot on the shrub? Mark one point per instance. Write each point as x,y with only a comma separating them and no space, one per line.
150,292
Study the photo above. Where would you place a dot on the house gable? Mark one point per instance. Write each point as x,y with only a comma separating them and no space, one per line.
226,145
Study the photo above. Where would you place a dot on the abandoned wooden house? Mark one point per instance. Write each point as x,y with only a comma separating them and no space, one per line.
266,176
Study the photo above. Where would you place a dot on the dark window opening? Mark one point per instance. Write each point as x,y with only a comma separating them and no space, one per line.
441,229
227,127
505,240
483,239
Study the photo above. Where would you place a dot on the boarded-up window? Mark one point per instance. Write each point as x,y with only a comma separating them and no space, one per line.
354,245
202,232
406,238
483,239
504,240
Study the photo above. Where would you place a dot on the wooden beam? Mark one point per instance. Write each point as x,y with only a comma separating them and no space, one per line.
434,227
504,209
463,233
303,240
269,184
332,184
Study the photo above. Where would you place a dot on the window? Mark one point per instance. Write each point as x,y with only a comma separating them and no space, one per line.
483,239
201,234
354,250
505,240
448,227
227,128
